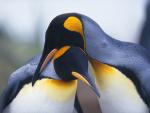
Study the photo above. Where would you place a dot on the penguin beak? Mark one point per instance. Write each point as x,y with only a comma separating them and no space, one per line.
48,59
88,79
42,64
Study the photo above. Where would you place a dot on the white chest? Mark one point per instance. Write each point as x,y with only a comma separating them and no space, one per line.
118,93
38,100
118,100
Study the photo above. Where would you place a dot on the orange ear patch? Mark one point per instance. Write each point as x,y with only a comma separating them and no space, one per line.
74,24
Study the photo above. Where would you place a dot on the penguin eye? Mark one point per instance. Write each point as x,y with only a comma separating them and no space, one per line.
74,24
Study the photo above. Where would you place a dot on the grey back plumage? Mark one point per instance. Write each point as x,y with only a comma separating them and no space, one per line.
16,81
145,34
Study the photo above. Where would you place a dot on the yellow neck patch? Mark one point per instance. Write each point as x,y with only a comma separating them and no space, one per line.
53,89
108,77
59,90
74,24
102,68
61,51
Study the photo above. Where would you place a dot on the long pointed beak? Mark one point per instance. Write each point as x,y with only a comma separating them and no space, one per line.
42,64
88,80
48,58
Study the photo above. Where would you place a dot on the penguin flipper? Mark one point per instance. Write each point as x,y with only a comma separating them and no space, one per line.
10,93
77,105
16,81
145,34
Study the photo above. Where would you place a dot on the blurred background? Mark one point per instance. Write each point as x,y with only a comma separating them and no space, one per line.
23,24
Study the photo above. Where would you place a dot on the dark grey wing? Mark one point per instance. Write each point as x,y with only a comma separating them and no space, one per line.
77,105
145,34
11,91
16,81
23,76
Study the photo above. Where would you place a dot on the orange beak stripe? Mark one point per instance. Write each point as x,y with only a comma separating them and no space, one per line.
79,76
48,58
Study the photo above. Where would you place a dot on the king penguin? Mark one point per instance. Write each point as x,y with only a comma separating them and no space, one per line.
121,69
47,95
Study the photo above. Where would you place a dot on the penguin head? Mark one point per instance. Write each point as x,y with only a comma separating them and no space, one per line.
69,59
